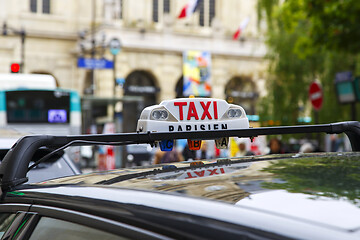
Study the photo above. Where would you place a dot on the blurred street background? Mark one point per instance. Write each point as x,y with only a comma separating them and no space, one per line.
290,62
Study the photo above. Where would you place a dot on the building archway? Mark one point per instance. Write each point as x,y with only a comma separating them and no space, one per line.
241,90
138,83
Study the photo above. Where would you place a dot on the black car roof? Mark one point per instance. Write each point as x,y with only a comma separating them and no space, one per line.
242,196
247,183
113,203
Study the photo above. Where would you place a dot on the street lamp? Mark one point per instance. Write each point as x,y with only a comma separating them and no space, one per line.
22,34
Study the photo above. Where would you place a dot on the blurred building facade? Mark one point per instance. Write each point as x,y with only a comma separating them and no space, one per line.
153,39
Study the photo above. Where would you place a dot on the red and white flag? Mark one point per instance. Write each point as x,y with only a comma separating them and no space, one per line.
189,9
241,28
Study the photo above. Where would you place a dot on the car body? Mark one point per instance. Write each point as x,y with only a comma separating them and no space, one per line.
294,196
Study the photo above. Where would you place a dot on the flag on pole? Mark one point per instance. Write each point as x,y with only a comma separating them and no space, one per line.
241,28
189,9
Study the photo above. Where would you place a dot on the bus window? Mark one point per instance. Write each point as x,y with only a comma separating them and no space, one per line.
38,106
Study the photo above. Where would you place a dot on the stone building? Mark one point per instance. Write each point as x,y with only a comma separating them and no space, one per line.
149,66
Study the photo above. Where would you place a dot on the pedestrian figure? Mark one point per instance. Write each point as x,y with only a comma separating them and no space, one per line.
167,157
242,144
276,146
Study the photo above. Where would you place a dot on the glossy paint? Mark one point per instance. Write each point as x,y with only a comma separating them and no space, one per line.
310,196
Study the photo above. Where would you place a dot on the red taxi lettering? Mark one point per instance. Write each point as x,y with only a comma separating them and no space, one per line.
212,172
203,173
200,174
189,175
180,105
206,110
215,110
192,111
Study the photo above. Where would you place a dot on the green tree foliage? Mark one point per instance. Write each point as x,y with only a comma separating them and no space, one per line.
302,47
334,24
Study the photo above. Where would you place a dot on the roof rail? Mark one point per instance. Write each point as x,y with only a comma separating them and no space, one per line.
15,165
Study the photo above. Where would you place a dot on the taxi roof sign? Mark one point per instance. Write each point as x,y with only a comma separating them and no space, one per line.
192,114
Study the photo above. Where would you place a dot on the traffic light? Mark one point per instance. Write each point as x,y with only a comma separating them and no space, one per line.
15,68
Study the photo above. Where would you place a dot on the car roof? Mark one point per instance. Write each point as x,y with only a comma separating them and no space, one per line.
247,183
121,201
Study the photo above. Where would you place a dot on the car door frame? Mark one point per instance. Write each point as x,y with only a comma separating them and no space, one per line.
96,222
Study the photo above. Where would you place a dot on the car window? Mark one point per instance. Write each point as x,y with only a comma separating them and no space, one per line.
50,228
5,221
